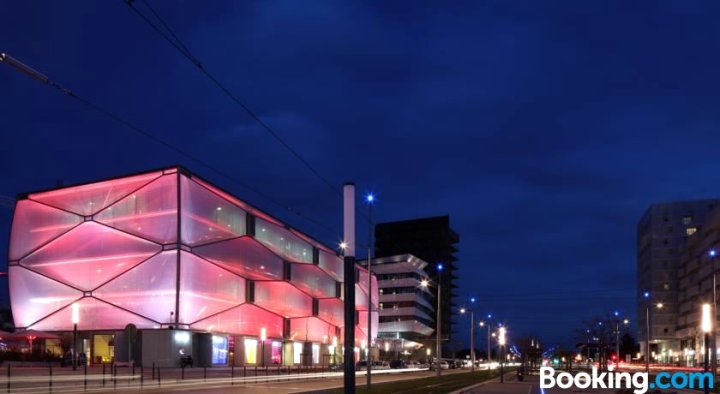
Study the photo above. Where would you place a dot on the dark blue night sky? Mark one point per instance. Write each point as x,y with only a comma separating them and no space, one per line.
544,129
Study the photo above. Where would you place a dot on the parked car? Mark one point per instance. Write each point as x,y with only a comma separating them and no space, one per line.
380,365
412,364
443,365
398,364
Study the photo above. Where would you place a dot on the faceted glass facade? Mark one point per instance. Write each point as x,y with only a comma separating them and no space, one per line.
166,248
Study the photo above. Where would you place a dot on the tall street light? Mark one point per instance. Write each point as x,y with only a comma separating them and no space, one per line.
617,337
659,305
706,326
501,342
263,338
472,334
713,360
370,200
438,348
75,320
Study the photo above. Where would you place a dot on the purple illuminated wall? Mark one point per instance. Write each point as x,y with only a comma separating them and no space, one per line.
167,248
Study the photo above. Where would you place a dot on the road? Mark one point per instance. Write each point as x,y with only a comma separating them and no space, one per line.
290,384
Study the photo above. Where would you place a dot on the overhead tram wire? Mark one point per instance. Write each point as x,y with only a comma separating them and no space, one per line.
40,77
169,35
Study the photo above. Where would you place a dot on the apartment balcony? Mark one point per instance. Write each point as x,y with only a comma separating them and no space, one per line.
400,297
405,326
408,311
403,282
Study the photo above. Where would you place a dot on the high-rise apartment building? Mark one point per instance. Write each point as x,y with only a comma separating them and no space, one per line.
663,234
432,240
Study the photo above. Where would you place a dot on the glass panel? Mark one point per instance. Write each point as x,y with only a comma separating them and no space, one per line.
90,255
247,319
361,299
283,242
316,353
234,200
206,217
312,280
150,212
34,224
206,289
276,353
283,299
148,289
94,315
333,265
363,322
311,329
360,337
332,311
92,198
103,348
375,292
34,296
244,256
251,350
297,352
219,350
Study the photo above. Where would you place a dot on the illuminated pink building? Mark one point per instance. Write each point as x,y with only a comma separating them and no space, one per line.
166,249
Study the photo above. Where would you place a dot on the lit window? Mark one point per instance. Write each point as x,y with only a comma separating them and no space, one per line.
251,351
297,352
316,354
690,230
666,286
687,220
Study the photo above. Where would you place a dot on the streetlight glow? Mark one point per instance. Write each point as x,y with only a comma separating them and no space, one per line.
75,313
263,334
646,294
370,198
706,322
424,283
462,310
501,338
439,267
712,253
660,305
343,245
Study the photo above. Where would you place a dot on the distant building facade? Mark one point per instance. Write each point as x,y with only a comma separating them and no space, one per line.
668,270
405,307
429,239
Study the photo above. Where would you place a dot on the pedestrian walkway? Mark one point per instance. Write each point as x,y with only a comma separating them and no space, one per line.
530,385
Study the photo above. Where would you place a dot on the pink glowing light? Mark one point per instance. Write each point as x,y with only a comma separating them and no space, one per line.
88,199
283,299
206,289
244,319
34,224
150,212
90,255
245,257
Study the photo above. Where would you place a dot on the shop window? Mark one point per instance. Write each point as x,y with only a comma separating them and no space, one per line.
219,350
276,353
251,351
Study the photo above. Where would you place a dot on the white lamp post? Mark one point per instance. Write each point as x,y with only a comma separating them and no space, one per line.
706,326
75,320
263,338
501,342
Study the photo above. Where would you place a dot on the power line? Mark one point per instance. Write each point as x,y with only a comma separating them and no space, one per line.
19,66
169,35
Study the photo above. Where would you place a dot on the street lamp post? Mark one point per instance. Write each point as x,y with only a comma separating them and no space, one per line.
370,199
75,320
263,337
501,342
706,326
617,340
659,305
713,356
472,335
438,348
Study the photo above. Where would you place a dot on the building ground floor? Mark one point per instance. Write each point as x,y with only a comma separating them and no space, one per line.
165,347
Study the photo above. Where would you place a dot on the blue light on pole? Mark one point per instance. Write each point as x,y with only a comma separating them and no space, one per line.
712,253
489,315
646,294
439,267
370,198
617,313
472,299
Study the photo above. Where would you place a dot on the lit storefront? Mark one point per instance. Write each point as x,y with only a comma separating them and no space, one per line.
193,268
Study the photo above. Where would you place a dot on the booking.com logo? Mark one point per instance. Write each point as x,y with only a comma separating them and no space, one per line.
638,381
